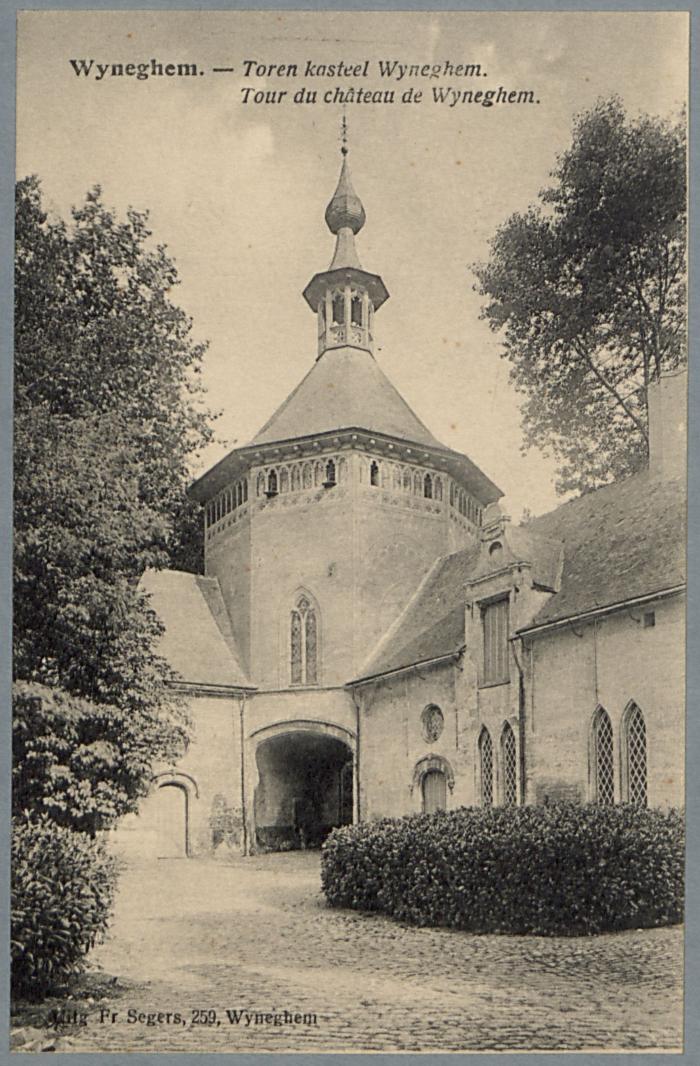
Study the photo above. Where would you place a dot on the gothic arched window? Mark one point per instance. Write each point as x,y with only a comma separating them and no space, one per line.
272,483
509,765
417,484
284,479
356,309
330,473
428,487
486,767
438,488
603,765
374,474
303,643
634,741
260,486
296,479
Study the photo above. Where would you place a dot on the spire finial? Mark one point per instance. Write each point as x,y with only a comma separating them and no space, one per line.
345,211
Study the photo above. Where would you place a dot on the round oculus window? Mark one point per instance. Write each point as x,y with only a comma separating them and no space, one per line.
433,722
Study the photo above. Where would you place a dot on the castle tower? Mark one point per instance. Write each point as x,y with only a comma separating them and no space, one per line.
342,501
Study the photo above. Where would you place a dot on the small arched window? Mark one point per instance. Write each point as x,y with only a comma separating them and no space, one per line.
330,474
296,479
428,487
486,767
438,488
307,475
407,480
272,483
417,484
374,474
509,765
338,308
304,643
260,485
603,765
356,309
634,740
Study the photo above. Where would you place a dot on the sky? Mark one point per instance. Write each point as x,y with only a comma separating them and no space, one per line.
237,191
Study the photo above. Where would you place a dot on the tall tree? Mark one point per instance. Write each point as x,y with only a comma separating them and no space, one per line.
107,418
588,290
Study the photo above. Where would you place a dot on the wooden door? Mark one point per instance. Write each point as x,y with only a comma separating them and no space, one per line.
434,791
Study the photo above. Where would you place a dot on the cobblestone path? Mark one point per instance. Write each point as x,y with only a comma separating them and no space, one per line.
255,935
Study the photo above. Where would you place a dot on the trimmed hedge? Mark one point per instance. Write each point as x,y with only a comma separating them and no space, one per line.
563,869
62,893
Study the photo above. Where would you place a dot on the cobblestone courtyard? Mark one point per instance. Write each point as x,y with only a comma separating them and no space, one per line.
255,935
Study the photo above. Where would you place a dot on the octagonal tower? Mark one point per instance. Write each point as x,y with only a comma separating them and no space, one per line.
322,527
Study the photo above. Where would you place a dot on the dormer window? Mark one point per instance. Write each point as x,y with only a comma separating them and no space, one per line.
495,620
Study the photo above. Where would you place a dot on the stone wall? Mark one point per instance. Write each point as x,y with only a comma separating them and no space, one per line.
619,659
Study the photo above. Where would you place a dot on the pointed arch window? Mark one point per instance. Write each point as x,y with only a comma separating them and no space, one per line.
304,643
272,483
634,741
510,767
603,763
428,487
374,474
486,767
356,309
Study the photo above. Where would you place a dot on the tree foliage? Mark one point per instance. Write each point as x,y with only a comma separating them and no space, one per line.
588,290
108,415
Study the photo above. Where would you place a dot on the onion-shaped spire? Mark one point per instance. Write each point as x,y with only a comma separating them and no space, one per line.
345,211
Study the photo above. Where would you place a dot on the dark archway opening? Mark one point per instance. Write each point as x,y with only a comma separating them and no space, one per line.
305,790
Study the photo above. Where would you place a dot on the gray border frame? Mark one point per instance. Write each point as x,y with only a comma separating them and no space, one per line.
8,11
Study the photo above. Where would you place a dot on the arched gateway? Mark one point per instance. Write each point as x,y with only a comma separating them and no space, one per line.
304,785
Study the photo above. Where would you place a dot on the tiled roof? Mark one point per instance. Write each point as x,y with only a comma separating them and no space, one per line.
618,543
622,541
432,625
198,641
345,389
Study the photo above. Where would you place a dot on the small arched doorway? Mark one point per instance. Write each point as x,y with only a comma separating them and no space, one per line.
170,821
434,788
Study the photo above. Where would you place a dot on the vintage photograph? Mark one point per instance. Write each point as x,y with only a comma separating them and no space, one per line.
350,405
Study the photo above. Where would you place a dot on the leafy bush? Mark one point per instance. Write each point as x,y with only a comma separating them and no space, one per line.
84,763
563,869
62,892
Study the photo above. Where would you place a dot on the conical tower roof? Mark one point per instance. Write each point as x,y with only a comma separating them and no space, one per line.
346,391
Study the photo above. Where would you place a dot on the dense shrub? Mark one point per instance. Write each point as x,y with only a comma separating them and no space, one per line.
62,892
562,869
84,763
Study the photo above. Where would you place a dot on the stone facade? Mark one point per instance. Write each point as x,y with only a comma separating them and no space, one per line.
371,637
